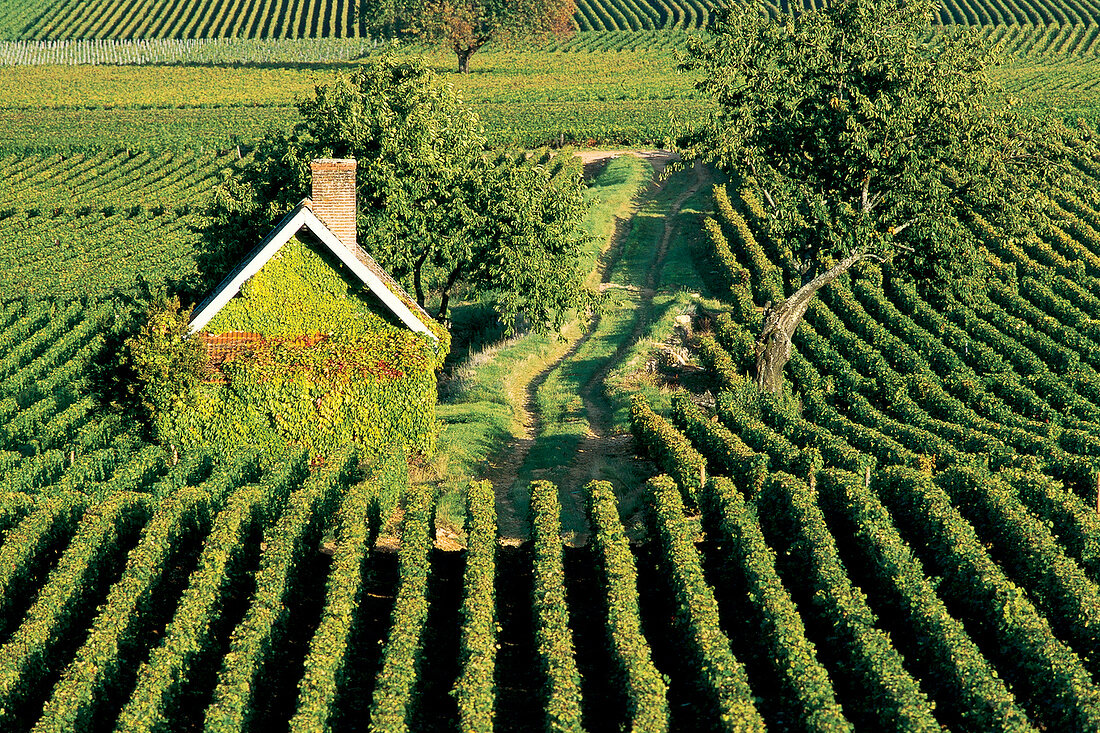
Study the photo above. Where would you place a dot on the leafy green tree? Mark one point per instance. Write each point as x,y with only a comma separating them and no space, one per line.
434,208
870,140
467,25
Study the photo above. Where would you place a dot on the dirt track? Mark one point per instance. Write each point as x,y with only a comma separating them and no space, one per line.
599,446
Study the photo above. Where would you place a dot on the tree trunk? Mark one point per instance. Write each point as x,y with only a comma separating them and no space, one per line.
446,297
418,283
464,55
773,348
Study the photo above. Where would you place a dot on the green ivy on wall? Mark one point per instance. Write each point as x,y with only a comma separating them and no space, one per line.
330,369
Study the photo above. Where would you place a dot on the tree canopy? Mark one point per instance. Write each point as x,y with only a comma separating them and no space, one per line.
869,138
434,208
467,25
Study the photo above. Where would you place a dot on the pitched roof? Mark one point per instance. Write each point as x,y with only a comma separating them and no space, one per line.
361,264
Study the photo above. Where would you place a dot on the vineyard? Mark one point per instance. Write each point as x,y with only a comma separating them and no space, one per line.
595,89
908,538
64,216
908,542
41,20
1024,40
44,19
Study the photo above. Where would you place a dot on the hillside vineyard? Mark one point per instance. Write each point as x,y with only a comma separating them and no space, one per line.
907,539
858,563
52,20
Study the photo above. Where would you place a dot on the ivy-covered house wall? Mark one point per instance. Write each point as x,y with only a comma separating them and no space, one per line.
304,356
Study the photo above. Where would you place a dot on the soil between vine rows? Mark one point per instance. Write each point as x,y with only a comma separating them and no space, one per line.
792,567
519,703
25,593
435,708
889,607
603,697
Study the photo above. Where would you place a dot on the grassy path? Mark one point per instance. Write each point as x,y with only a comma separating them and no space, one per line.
556,407
573,432
526,383
487,410
608,443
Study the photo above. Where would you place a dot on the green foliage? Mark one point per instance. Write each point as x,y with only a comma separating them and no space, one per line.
1030,552
46,525
975,688
719,362
892,695
561,695
328,371
970,578
863,136
737,235
183,516
357,526
101,536
67,216
722,674
646,690
167,365
467,25
474,690
434,210
186,638
187,19
724,451
299,291
668,448
806,681
298,531
1051,26
391,701
1076,524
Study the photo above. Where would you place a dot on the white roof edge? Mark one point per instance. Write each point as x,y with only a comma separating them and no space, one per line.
231,285
299,217
367,277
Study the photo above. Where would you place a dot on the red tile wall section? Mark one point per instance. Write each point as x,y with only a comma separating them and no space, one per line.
220,348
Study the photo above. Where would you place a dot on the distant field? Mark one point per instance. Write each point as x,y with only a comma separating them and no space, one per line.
599,89
525,98
50,20
500,76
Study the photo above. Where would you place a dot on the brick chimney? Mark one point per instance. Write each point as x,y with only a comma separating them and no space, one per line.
334,196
